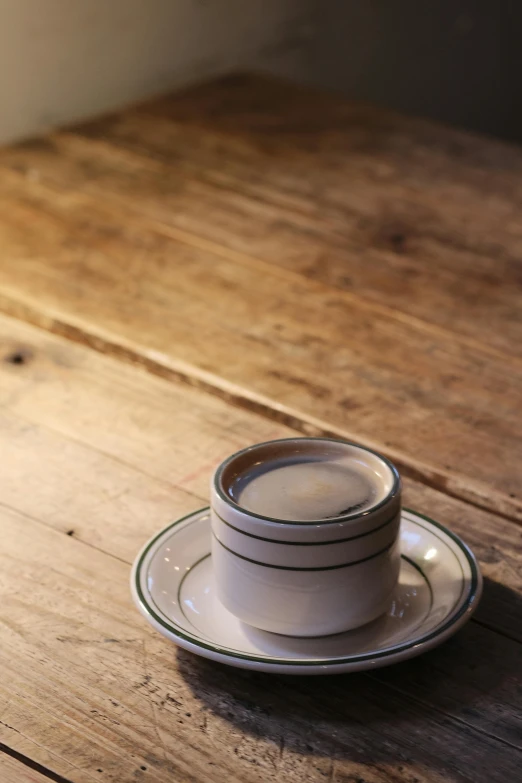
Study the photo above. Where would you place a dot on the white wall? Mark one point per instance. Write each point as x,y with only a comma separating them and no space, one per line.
62,60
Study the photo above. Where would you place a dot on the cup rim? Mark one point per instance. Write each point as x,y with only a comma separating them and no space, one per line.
354,515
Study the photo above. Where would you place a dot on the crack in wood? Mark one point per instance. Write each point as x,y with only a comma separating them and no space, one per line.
28,762
465,491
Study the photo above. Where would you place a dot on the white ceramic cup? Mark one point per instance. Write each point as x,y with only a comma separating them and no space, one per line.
306,578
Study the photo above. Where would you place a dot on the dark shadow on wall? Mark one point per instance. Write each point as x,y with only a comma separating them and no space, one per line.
457,62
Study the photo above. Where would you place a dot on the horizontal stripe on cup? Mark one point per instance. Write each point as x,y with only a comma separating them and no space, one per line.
288,542
296,568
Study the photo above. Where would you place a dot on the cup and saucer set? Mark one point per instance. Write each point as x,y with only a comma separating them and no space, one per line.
306,563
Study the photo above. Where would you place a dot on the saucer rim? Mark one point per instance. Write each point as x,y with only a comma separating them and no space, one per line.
354,662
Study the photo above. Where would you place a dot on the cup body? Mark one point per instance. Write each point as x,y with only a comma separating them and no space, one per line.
305,578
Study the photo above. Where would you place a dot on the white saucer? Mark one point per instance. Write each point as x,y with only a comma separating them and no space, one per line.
439,589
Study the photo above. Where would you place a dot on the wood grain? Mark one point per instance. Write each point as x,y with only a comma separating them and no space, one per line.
444,203
126,450
317,267
14,771
86,678
137,450
126,480
105,453
406,213
315,357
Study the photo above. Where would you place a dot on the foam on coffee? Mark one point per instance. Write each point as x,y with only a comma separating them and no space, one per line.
307,487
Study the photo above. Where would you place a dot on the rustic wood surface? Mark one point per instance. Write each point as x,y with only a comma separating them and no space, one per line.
324,358
243,262
20,770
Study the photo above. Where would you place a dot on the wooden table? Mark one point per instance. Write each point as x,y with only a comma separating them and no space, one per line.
236,263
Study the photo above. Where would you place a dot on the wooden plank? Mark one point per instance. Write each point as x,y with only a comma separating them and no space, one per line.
109,452
405,213
84,677
305,354
127,451
138,450
14,771
435,209
156,457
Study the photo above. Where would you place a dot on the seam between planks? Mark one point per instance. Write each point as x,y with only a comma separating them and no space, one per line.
245,259
28,762
235,256
404,694
159,364
24,514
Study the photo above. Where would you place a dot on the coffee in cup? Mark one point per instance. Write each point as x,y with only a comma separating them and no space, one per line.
305,535
307,487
